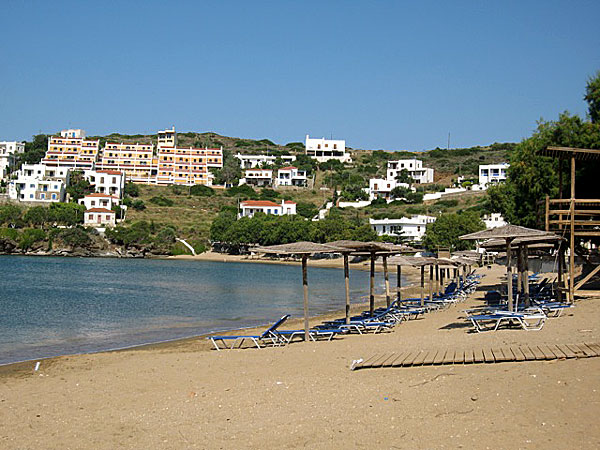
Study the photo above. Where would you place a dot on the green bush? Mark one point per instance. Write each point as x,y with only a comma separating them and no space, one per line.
131,190
243,191
202,191
30,236
138,205
161,201
75,237
9,233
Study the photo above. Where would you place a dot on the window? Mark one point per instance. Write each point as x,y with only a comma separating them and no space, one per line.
53,196
91,217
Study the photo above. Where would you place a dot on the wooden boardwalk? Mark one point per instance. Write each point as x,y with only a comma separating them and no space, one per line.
412,358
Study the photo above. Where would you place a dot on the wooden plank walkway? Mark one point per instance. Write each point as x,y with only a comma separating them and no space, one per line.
521,353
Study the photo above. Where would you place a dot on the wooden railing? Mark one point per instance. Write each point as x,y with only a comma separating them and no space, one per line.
579,216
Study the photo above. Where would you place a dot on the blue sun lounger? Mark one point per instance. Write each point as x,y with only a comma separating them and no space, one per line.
270,336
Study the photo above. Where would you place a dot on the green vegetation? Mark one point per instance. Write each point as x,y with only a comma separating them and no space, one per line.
66,214
444,232
78,186
161,201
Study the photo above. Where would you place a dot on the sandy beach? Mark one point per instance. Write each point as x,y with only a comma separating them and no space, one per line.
185,395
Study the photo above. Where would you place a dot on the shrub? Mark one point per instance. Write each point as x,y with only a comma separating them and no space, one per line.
161,201
132,190
75,237
138,205
30,236
202,191
9,233
243,191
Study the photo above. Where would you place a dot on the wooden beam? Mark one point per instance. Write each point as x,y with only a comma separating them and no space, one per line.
509,274
579,223
372,285
547,215
399,282
572,237
422,285
387,281
587,278
578,212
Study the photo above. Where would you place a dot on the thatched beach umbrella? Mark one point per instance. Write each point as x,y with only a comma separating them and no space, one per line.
303,249
509,233
372,249
400,261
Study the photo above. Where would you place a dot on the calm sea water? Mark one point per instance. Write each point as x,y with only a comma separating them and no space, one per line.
56,306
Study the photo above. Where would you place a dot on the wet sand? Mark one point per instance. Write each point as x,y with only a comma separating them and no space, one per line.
184,395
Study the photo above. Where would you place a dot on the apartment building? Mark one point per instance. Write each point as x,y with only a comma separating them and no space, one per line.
187,166
325,149
72,150
291,176
414,167
136,160
167,138
9,151
250,207
39,183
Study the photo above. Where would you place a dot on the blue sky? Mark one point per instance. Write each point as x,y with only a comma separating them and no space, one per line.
381,74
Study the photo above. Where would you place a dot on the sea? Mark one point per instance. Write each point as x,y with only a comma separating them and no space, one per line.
52,306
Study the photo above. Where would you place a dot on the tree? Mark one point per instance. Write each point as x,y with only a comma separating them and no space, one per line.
592,97
10,215
34,150
444,232
36,215
404,177
131,190
78,187
307,209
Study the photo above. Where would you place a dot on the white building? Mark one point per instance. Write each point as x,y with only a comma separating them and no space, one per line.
254,161
98,200
258,177
291,176
492,173
250,207
73,133
111,182
382,188
8,155
325,149
412,228
420,174
99,218
39,183
494,220
167,138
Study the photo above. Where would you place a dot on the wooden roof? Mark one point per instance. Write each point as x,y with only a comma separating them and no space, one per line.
505,232
299,248
580,154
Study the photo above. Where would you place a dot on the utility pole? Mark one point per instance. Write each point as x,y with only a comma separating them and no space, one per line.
448,148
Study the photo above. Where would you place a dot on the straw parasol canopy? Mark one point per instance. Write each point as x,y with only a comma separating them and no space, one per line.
505,232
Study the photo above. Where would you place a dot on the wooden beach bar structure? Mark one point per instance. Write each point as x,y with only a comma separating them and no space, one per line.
575,218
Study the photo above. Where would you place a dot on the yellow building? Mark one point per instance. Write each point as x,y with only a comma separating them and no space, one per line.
71,150
187,166
136,160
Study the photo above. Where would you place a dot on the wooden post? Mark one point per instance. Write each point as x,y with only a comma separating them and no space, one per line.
437,279
399,282
431,282
441,281
347,280
387,281
305,287
561,269
519,268
372,285
572,237
422,285
547,213
509,274
526,274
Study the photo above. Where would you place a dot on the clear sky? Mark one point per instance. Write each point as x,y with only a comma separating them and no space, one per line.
381,74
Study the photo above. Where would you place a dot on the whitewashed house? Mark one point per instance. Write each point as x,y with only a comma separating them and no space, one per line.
492,174
414,167
412,228
382,188
258,177
250,207
111,182
254,161
291,176
494,220
99,218
9,151
39,183
98,200
325,149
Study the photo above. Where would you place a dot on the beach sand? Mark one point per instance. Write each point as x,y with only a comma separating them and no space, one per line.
183,395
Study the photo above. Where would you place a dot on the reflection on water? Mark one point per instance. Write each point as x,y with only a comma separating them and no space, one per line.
56,306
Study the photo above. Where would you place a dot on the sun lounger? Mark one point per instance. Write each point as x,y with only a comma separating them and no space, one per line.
491,322
314,334
268,337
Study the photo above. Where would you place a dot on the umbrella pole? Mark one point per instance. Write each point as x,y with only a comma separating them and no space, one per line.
441,281
437,279
520,270
372,285
509,274
399,282
422,285
431,282
526,274
561,262
387,281
347,280
305,287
